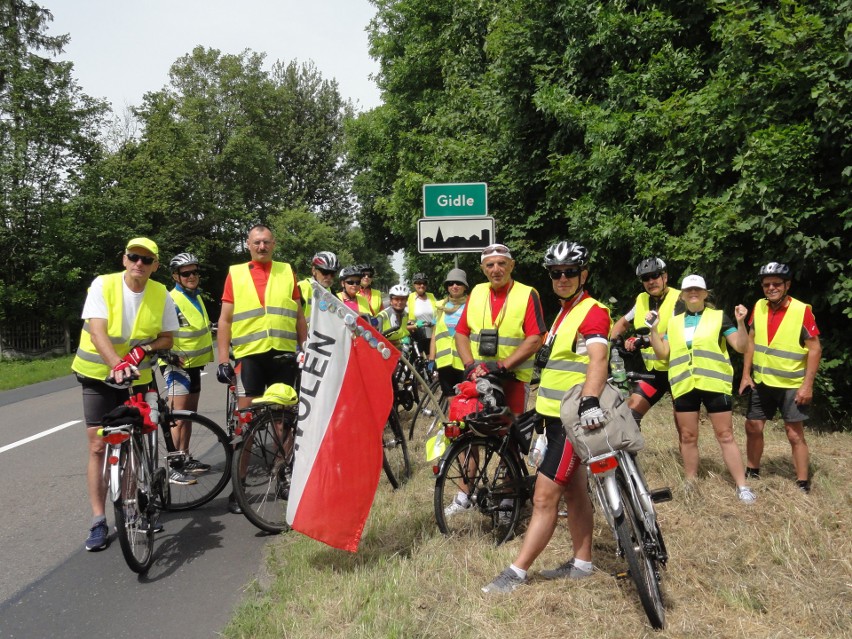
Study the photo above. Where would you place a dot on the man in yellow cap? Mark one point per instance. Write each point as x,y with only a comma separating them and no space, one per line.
125,317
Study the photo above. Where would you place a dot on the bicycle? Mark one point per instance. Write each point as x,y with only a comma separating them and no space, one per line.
484,462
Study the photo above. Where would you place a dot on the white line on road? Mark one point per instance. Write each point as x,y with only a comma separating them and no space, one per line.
43,433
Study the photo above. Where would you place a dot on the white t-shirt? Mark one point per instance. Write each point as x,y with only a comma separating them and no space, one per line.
423,312
96,307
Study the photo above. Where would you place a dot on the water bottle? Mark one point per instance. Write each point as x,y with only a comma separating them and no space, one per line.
151,399
616,366
537,451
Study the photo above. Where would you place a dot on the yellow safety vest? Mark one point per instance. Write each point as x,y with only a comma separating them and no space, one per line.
666,310
782,363
511,327
399,333
363,304
565,368
374,302
706,365
258,329
147,325
194,343
307,292
412,298
445,344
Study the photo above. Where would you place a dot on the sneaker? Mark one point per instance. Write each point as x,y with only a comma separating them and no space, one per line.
752,473
745,495
233,505
98,536
566,571
455,508
195,467
506,582
177,477
143,525
804,485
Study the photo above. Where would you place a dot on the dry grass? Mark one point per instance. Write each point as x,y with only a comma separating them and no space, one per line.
780,568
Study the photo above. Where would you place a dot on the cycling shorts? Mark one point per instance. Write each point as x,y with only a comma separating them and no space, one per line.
560,462
257,372
653,391
99,398
764,401
182,381
713,402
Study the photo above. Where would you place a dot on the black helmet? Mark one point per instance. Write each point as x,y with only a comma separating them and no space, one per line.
650,265
350,271
183,259
418,277
367,268
566,254
325,260
775,268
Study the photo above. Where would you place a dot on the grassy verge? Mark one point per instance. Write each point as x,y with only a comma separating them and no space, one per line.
780,568
17,373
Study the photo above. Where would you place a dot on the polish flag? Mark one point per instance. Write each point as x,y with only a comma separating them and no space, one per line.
345,398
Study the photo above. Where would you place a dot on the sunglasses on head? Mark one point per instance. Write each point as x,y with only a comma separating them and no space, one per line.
135,257
196,272
352,282
651,276
556,274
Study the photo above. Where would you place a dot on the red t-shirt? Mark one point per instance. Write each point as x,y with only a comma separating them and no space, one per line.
594,327
533,318
809,327
260,275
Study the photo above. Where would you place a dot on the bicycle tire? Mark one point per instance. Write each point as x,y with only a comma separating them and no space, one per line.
427,416
261,474
396,461
643,569
495,486
208,445
134,509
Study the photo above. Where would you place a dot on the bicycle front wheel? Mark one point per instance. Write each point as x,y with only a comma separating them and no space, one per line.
479,490
205,467
397,463
134,509
262,469
643,569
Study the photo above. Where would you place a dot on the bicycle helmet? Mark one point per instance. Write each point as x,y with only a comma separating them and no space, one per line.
566,254
419,277
325,260
775,268
650,265
183,259
399,290
350,271
281,394
367,268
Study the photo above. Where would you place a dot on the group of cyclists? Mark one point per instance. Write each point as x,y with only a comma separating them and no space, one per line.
496,328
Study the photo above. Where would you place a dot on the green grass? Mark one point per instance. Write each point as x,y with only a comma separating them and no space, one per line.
17,373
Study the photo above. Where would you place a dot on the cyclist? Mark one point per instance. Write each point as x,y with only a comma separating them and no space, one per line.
784,353
422,308
442,346
395,316
126,315
323,267
501,327
700,372
193,343
576,351
373,297
262,319
660,297
350,285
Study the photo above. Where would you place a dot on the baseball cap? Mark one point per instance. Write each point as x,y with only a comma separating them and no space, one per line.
693,281
495,249
145,243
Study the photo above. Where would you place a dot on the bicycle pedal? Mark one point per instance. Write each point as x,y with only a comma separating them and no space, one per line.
659,495
621,574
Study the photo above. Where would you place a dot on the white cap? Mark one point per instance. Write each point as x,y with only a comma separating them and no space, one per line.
693,281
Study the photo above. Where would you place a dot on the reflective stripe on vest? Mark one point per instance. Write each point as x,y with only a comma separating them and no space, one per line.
782,363
666,312
193,343
258,329
510,334
147,325
706,366
565,368
412,297
401,330
445,344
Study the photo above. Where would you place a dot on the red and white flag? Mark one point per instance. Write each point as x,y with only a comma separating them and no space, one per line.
345,398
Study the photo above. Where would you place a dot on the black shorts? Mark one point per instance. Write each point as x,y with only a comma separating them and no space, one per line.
653,391
99,398
764,401
449,377
713,402
258,372
559,461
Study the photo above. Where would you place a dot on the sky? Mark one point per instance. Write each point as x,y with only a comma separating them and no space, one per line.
122,49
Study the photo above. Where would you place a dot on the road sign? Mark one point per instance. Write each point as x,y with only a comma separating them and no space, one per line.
455,200
454,234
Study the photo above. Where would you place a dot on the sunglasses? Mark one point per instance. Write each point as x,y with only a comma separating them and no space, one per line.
495,250
651,276
326,273
195,273
556,274
366,274
454,284
772,284
135,257
352,282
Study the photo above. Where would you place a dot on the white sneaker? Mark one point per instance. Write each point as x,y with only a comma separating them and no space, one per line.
745,495
456,507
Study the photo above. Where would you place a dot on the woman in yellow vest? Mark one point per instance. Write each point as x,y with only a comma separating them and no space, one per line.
442,346
350,285
700,372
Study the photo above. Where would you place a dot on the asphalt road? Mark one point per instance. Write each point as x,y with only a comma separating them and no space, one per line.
51,587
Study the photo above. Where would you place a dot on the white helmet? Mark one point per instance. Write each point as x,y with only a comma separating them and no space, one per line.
399,290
